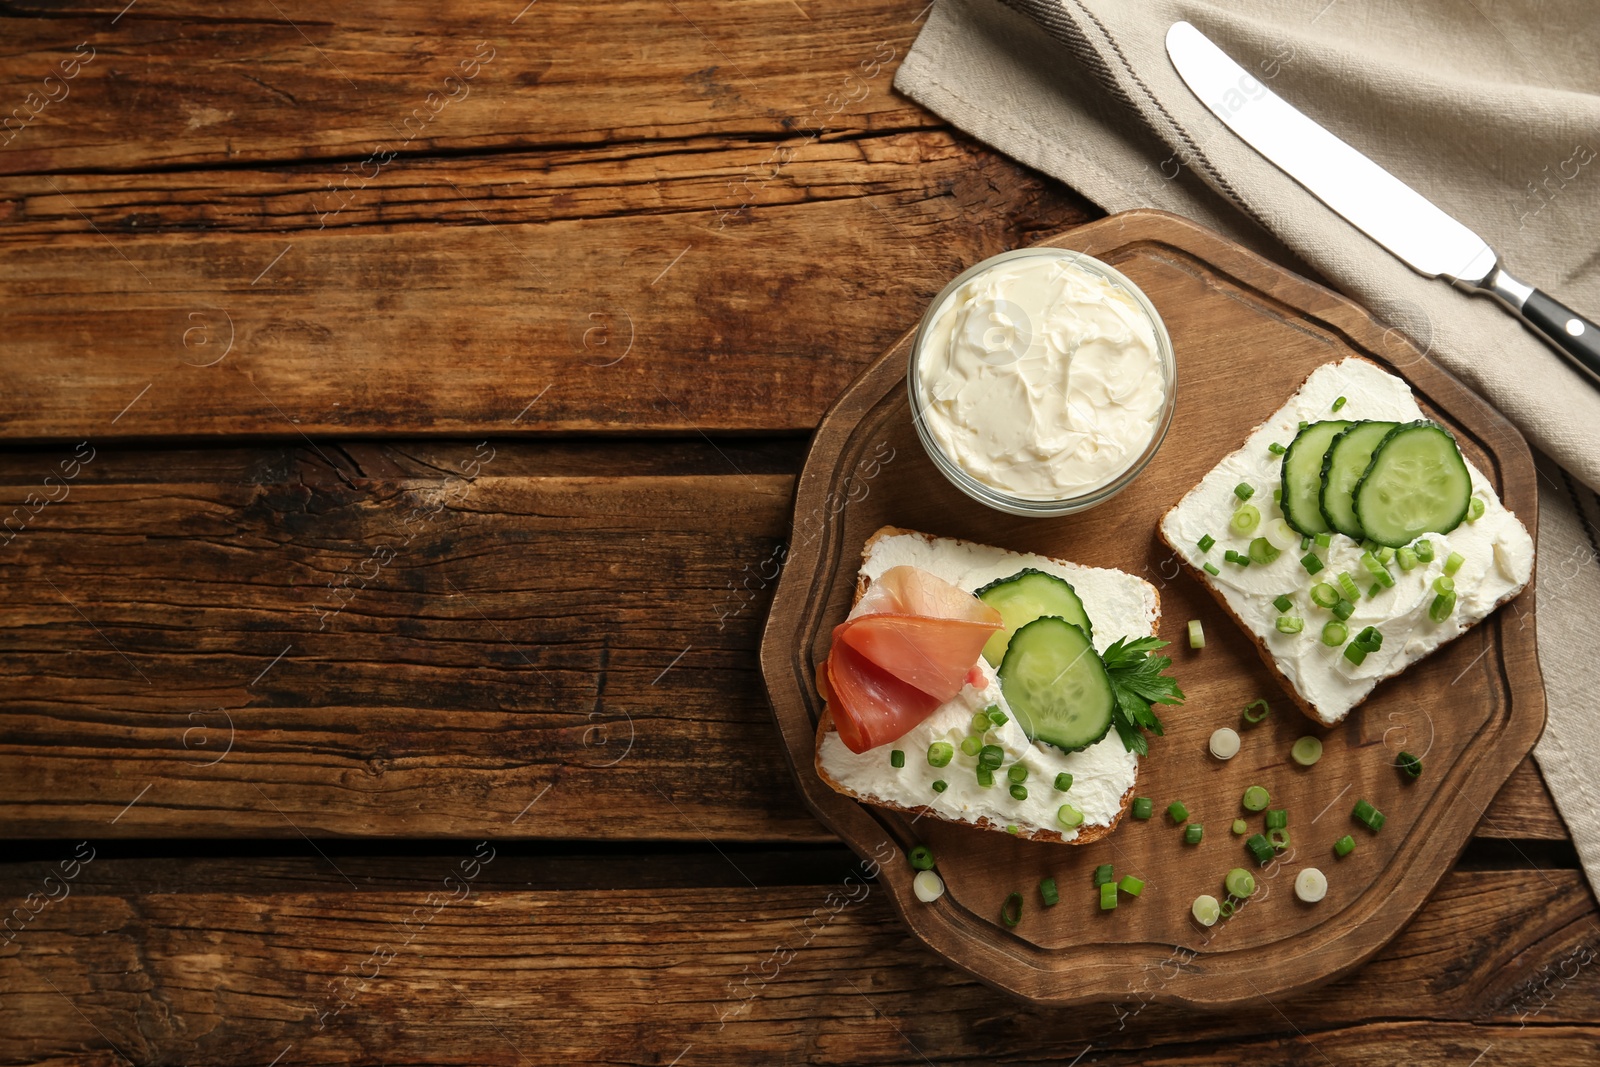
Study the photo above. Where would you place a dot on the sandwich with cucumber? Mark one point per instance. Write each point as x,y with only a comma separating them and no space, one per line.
1350,537
1003,690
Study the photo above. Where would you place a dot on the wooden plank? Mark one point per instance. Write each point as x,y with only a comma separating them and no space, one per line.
291,80
474,668
804,976
448,295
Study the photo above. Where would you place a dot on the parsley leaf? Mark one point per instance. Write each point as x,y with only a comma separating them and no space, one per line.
1137,682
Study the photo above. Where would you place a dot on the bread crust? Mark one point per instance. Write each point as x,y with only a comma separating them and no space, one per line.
825,726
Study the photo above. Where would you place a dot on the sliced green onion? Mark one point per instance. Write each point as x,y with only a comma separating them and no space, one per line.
940,786
1256,710
1227,909
981,723
1344,846
1277,498
991,756
1376,568
1260,849
1193,833
1011,910
1311,562
1234,557
1373,590
1211,570
1206,541
1277,819
1019,792
1324,595
1343,609
1385,555
1367,816
1131,885
1017,773
1339,403
1245,519
1240,827
897,758
1197,634
1240,883
1143,807
1347,586
971,745
1108,896
1261,551
1306,751
940,753
1276,449
1410,764
1244,491
1370,639
1069,816
1444,584
1406,558
1278,838
1048,893
1290,624
998,717
921,857
1305,542
1475,510
1310,885
1334,633
1442,606
1178,810
1283,602
1064,783
1011,828
1104,874
1322,540
985,777
1355,653
1255,798
1304,424
1424,550
1453,562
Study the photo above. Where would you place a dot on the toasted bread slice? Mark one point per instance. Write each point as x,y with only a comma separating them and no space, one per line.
981,564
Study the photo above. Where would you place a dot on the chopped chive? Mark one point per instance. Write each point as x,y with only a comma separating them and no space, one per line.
1277,818
1311,562
1260,848
1334,633
1347,586
1324,595
1011,910
1048,893
1475,510
991,756
1193,833
1344,846
1406,558
971,745
1143,807
1206,542
1103,874
1233,557
940,753
1290,624
985,777
1019,792
940,786
1283,602
1017,774
1339,403
1178,810
1131,885
1108,896
1278,838
1240,827
1276,449
1256,710
1069,816
1211,570
1343,609
1410,764
1245,519
1453,562
1306,751
1255,798
1064,782
1261,551
1244,491
1444,584
1197,634
1424,550
921,857
1367,816
1240,883
897,758
1355,653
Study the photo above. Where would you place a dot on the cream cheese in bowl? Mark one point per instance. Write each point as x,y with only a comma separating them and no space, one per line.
1042,381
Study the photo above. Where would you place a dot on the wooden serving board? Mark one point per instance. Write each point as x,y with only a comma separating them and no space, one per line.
1246,334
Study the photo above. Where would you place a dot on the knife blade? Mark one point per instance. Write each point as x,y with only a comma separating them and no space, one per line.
1406,223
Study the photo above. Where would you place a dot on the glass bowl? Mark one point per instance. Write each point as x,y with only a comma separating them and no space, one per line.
1075,500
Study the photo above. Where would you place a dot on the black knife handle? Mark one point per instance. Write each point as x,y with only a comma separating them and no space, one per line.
1576,336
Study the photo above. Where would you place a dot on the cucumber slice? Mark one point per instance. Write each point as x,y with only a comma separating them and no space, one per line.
1027,595
1342,468
1056,684
1302,476
1417,483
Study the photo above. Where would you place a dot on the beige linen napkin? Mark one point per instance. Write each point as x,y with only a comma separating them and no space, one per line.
1491,111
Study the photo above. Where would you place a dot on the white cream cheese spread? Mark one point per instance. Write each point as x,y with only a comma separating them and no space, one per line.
1118,604
1496,549
1040,378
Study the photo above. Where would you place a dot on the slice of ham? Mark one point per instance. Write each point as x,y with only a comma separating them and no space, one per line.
911,642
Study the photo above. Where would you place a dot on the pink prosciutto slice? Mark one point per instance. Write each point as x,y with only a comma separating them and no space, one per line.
910,644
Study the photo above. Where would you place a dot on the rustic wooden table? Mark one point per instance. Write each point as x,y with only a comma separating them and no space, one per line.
402,408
